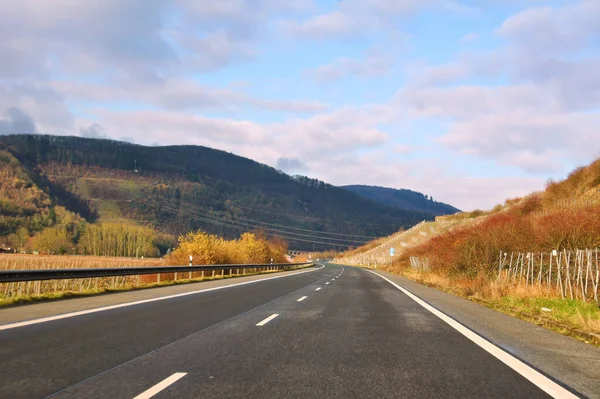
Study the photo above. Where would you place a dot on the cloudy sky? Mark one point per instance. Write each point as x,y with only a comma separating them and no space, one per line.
469,101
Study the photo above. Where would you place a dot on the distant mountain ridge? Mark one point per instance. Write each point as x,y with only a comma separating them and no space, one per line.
181,188
403,199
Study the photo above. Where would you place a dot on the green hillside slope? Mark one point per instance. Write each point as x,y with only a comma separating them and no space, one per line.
403,199
181,188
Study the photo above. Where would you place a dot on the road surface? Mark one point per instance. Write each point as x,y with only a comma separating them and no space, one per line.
335,332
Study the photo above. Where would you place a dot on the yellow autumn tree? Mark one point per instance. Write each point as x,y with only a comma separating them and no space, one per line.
204,248
207,249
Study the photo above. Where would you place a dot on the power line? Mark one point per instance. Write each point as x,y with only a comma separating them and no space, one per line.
317,219
299,216
247,225
195,208
245,228
219,218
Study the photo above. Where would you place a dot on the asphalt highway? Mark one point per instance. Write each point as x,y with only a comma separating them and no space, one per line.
336,332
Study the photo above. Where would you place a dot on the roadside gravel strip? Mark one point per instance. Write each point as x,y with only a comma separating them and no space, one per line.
560,357
13,316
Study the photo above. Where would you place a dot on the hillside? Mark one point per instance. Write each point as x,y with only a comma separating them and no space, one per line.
181,188
563,216
537,252
403,199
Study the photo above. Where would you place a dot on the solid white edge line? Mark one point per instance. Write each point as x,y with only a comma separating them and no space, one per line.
122,305
318,288
160,386
541,381
268,319
301,299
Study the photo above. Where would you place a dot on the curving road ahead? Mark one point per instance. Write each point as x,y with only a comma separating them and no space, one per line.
335,332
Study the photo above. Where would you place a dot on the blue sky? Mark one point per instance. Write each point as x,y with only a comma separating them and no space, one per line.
471,102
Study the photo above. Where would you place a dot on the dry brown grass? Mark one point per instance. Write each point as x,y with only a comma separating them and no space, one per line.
512,298
36,262
26,262
21,292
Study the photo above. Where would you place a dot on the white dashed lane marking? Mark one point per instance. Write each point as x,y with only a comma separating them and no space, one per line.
268,319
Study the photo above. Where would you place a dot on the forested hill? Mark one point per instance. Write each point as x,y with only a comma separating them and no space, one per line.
403,199
183,188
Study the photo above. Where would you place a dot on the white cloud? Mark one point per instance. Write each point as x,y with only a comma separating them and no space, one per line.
554,30
541,113
15,121
374,63
358,17
545,117
291,165
431,177
332,24
470,37
40,37
44,105
180,94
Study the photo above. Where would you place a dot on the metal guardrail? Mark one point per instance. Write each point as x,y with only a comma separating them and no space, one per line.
9,276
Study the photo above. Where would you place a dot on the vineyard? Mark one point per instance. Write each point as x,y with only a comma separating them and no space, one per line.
32,288
574,274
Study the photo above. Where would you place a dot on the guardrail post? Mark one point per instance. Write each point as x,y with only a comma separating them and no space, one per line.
158,278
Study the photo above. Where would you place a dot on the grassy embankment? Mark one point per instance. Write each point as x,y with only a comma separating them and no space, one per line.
461,252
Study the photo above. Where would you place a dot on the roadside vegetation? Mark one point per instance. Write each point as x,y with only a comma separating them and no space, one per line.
34,291
461,253
206,249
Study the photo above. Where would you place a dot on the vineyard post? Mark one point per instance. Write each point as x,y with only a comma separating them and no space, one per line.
588,267
597,277
521,268
541,267
559,276
568,264
528,257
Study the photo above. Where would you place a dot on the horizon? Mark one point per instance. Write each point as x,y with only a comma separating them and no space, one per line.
471,105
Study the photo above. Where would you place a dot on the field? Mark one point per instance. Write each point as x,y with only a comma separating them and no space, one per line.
22,292
9,292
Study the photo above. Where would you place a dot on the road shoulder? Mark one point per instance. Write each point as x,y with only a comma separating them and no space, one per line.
560,357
